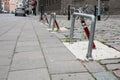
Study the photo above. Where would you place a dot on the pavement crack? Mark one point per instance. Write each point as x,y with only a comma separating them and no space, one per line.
15,49
41,50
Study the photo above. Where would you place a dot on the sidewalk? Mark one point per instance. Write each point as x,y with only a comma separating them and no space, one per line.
31,52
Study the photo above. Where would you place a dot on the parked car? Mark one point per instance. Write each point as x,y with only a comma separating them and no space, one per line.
28,10
4,11
20,11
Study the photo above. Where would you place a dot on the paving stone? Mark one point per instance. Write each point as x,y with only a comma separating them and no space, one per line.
117,47
44,45
60,36
117,37
27,37
65,67
52,54
104,76
5,43
111,61
46,35
7,47
35,74
74,76
8,38
27,49
94,66
6,53
4,71
117,73
4,61
113,66
50,40
27,43
2,78
28,60
114,40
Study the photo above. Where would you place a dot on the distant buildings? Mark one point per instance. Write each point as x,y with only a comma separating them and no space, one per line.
0,5
10,5
60,6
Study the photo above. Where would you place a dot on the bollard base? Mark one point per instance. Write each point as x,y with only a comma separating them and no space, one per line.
99,18
89,57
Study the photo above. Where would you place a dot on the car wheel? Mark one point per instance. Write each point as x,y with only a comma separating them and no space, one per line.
15,14
24,15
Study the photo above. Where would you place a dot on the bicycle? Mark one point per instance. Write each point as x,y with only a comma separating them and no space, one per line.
90,9
104,13
85,9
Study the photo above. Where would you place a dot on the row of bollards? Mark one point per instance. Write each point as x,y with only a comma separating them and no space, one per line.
52,22
90,34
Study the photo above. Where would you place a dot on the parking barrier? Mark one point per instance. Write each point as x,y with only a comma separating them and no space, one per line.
55,23
46,19
90,34
87,32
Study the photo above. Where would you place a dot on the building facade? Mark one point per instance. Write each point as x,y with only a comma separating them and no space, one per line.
61,6
3,5
58,6
10,5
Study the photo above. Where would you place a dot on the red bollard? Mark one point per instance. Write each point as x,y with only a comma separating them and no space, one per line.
47,20
57,25
87,32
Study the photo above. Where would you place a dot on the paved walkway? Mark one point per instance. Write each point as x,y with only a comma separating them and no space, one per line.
28,51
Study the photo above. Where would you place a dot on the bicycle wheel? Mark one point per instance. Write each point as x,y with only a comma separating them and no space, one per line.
89,9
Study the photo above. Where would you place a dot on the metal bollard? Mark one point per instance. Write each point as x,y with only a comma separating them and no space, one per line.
72,27
92,30
99,17
42,12
86,30
95,11
50,21
68,12
45,18
53,17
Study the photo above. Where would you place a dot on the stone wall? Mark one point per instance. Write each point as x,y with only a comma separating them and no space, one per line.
61,6
114,6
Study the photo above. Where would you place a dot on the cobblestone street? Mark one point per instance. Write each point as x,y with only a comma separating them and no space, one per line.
107,32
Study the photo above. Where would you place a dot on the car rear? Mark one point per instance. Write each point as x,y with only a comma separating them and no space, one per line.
20,11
